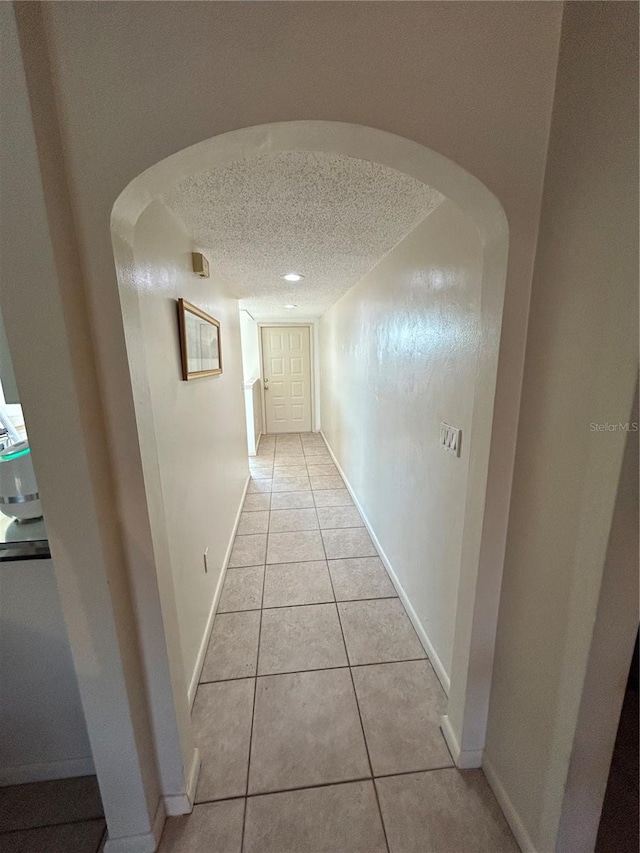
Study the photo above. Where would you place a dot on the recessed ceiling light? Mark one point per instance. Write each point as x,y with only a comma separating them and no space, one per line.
290,306
293,276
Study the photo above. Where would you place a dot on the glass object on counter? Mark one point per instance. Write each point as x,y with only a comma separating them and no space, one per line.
22,530
23,540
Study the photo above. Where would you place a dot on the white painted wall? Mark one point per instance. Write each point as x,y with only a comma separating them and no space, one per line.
581,368
250,347
44,735
251,371
253,410
199,425
398,356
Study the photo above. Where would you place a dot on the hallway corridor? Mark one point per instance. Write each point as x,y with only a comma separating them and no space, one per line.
315,684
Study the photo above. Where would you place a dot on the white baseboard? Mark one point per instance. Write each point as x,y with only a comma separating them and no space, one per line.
147,842
195,678
179,804
436,663
513,818
43,772
464,759
257,444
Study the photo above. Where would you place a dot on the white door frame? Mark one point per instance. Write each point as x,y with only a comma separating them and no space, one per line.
272,324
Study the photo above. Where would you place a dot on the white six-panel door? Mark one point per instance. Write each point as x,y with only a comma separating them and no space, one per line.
286,362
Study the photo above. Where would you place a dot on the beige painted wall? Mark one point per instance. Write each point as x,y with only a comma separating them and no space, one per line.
398,356
581,369
199,424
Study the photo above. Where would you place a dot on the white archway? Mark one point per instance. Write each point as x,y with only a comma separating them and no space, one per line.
485,511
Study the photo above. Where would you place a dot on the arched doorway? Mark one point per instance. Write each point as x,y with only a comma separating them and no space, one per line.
486,502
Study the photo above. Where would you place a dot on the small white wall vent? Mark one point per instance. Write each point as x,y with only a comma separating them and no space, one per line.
450,438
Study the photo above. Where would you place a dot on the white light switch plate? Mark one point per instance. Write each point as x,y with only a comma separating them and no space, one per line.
450,438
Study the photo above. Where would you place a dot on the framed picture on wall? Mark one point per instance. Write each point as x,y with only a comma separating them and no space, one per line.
200,345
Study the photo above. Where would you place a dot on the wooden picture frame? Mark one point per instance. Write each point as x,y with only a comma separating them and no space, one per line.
200,344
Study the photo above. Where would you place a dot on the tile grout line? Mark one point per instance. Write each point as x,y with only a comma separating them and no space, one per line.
253,709
316,785
255,686
304,604
316,669
309,491
292,562
288,790
292,490
355,694
245,803
304,530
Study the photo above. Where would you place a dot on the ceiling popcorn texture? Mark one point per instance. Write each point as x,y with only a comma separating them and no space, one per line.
329,217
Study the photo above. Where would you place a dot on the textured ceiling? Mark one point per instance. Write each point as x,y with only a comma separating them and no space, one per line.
329,217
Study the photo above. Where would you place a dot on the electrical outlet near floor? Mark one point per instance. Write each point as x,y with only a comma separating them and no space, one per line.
450,438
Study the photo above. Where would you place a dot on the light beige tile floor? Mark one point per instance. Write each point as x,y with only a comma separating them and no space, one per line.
233,647
222,721
445,811
210,828
341,817
288,584
242,590
298,638
318,711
